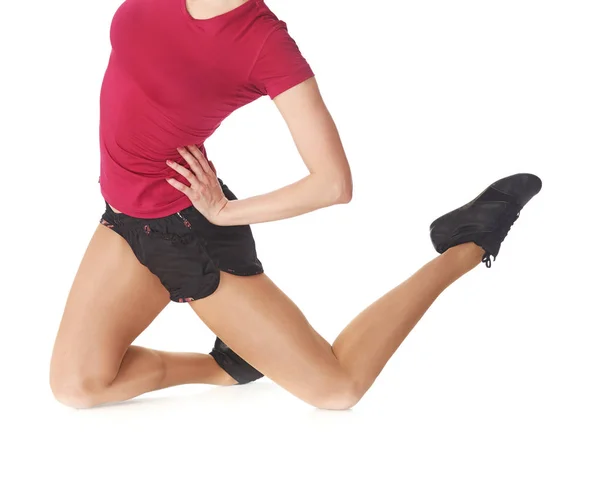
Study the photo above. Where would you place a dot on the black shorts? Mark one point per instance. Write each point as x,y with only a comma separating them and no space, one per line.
185,251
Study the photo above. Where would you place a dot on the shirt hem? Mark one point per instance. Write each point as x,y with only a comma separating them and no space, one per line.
155,213
288,85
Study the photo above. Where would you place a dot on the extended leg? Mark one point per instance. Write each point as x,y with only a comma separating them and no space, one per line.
276,339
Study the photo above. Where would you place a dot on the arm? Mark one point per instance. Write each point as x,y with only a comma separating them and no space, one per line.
329,179
328,182
281,72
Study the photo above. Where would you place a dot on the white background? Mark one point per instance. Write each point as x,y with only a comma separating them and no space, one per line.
434,100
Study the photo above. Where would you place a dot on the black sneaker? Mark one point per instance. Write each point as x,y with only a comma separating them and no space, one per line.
487,219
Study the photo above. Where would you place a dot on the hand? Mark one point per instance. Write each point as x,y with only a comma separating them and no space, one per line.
204,190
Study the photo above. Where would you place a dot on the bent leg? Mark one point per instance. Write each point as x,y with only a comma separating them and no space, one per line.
112,300
276,339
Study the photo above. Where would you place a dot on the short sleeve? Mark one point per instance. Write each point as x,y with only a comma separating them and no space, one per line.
280,64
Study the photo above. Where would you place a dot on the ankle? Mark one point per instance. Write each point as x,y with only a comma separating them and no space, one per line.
224,379
467,253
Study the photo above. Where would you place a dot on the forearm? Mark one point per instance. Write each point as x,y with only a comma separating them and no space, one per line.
309,194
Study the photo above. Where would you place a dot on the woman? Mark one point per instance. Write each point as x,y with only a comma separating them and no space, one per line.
172,231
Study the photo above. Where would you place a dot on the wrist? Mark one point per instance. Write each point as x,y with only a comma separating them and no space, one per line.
223,216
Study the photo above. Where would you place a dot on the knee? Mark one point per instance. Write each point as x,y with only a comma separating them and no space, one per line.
78,389
343,396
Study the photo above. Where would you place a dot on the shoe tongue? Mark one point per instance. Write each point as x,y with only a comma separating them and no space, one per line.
493,195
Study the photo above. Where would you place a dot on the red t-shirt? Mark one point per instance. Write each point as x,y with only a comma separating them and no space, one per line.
170,82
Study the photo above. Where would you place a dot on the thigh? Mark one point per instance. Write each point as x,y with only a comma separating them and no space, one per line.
257,320
112,300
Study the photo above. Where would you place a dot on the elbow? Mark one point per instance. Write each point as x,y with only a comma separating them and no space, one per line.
342,191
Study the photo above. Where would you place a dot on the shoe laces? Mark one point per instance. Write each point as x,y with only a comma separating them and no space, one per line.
487,259
506,221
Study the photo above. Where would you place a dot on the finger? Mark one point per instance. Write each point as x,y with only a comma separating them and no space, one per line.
207,167
185,172
201,159
191,159
180,186
212,166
